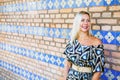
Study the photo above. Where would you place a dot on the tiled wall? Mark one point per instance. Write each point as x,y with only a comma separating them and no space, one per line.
34,33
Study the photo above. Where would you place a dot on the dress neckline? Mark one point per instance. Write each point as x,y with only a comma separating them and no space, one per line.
89,45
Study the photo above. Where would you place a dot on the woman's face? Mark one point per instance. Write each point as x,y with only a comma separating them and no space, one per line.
85,23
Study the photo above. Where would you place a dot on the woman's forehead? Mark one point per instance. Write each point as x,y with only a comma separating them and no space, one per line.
85,16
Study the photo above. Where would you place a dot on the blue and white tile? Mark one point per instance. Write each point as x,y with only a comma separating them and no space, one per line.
57,32
109,2
98,34
109,37
44,57
97,3
118,38
56,4
21,72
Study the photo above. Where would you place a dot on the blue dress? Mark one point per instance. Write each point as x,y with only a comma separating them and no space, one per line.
84,56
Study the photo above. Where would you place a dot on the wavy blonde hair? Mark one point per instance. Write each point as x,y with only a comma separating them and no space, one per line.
76,25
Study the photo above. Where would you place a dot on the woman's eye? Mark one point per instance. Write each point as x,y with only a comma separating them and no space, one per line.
82,20
88,20
85,20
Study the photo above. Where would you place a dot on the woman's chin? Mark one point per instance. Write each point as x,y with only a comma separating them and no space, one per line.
84,30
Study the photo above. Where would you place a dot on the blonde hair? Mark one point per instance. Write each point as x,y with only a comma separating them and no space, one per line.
76,25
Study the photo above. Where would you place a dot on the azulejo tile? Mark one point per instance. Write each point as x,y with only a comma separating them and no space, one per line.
51,32
109,37
56,4
57,33
118,38
71,3
87,2
78,3
109,2
39,5
50,4
98,34
97,3
44,57
21,72
110,74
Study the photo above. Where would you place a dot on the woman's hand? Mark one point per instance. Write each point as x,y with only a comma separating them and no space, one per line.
66,69
96,76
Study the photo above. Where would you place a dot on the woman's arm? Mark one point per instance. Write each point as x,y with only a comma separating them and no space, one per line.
67,67
96,76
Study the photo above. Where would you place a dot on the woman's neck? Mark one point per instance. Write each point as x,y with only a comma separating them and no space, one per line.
83,35
84,38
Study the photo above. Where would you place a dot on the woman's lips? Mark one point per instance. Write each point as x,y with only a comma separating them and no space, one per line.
85,27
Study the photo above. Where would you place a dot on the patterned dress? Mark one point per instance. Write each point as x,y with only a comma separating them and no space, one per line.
84,56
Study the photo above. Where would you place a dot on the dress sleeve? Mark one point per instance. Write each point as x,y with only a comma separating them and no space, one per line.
99,59
69,52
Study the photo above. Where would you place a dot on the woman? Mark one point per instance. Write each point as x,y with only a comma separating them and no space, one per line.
85,56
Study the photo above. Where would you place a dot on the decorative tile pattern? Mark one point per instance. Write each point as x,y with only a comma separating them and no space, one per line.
21,72
107,37
47,58
109,2
56,4
110,75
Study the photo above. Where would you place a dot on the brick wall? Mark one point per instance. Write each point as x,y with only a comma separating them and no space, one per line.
32,39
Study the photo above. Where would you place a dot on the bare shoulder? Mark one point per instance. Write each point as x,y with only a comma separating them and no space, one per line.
96,41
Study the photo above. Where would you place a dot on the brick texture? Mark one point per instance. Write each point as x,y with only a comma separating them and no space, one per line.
106,18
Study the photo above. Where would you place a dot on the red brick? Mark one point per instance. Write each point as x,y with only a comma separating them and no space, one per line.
58,15
114,8
106,27
93,21
106,14
95,27
52,25
47,20
53,11
79,9
64,15
107,21
97,9
47,16
106,53
37,20
52,15
59,40
110,47
68,20
71,15
42,12
58,44
64,25
52,43
58,25
96,15
116,28
47,42
42,16
47,25
116,67
69,10
115,61
47,39
119,48
58,21
116,14
116,54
